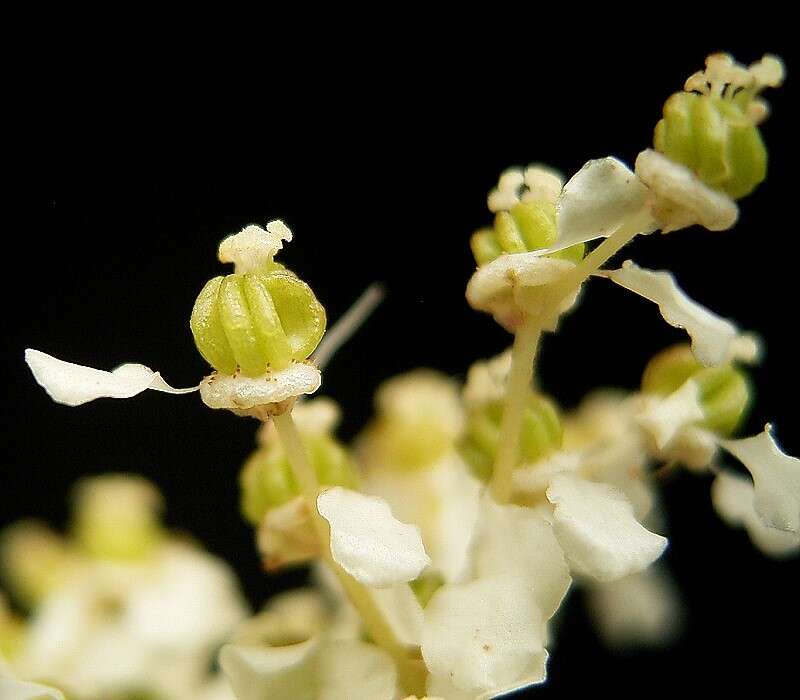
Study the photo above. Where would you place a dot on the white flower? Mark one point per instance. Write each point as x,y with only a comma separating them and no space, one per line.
597,530
152,624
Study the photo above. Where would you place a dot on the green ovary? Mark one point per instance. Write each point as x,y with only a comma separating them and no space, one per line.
541,433
713,137
724,391
256,321
267,480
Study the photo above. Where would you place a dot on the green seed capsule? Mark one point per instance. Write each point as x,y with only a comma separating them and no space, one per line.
267,480
724,391
714,137
256,321
527,226
540,434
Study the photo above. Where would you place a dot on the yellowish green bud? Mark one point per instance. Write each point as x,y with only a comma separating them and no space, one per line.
540,434
425,586
33,561
267,480
117,516
419,419
712,127
724,391
260,318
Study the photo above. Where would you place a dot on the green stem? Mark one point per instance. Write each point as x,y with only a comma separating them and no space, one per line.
376,625
523,354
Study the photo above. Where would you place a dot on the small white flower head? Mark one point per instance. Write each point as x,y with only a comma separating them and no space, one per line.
534,183
733,497
253,248
368,542
596,528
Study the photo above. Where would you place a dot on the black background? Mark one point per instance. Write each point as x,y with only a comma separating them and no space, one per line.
125,189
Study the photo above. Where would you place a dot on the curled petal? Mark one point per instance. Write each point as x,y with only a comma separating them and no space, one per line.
239,393
537,556
512,286
732,496
368,542
600,198
596,528
681,199
482,635
715,340
73,385
776,479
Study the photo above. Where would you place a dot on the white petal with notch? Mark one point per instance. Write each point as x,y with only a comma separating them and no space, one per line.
596,528
714,339
73,385
776,479
368,542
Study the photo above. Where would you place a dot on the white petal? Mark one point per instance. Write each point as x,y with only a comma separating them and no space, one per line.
600,198
482,635
537,556
403,612
641,609
665,418
440,688
681,199
596,528
240,393
11,689
368,542
732,496
351,669
278,673
714,339
74,385
776,478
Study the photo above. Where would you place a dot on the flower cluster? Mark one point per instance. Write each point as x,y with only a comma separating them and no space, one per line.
446,538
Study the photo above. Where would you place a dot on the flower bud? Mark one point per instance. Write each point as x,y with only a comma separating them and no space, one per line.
267,480
712,127
724,391
261,317
117,516
540,434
